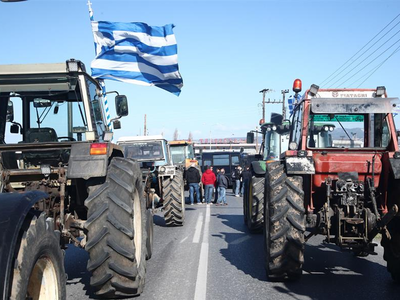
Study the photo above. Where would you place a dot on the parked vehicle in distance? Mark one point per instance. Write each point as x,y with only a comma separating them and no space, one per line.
163,180
221,159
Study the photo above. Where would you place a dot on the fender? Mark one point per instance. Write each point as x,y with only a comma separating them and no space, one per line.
259,167
13,210
299,165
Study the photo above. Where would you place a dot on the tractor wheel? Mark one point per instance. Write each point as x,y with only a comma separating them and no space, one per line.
38,259
392,248
149,230
116,237
255,204
284,224
174,200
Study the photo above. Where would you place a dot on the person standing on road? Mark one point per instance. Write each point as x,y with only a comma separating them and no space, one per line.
238,171
193,180
245,177
216,187
222,186
208,180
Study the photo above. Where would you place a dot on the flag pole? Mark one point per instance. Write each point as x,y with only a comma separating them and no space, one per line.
101,81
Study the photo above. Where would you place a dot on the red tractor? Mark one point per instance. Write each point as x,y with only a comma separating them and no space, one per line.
339,178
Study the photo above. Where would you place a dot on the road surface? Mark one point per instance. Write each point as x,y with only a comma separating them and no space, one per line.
213,256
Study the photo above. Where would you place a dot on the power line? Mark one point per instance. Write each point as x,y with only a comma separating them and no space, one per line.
364,61
367,51
325,80
394,52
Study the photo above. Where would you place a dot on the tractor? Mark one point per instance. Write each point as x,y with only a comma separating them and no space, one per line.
63,181
275,141
340,178
162,180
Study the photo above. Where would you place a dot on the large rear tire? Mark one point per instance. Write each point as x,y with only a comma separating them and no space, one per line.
39,263
284,223
117,232
174,200
254,209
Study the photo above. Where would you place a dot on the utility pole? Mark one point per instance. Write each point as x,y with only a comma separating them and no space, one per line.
145,125
263,103
283,103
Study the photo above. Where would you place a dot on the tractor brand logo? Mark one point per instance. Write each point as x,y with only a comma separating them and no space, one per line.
353,95
335,94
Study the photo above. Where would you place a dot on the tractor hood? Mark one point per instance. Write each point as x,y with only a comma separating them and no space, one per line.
330,164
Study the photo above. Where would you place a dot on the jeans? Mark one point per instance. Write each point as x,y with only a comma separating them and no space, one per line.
194,187
222,195
208,192
237,187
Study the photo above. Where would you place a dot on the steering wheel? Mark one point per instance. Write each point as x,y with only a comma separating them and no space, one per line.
66,138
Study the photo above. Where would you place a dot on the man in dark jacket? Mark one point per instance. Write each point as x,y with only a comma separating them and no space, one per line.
245,177
222,186
193,180
216,187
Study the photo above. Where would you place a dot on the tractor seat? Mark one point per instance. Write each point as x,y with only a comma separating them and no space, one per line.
44,134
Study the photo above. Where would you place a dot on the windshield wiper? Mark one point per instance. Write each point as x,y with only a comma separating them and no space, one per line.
344,129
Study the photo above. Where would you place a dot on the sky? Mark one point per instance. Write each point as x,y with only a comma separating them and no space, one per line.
227,52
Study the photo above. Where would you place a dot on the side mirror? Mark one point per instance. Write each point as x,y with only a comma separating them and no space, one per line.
121,105
117,124
14,128
10,112
250,138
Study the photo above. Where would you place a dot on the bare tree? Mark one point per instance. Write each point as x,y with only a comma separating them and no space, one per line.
190,136
176,134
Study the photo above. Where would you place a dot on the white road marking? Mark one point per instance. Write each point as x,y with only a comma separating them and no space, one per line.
197,232
183,240
201,282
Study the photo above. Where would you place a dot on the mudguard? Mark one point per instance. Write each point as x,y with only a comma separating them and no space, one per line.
83,165
299,165
259,167
13,209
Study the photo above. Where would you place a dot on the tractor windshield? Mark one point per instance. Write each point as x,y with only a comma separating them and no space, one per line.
348,131
272,145
144,151
178,154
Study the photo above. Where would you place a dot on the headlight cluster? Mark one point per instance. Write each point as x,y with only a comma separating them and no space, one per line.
328,127
166,170
270,128
323,128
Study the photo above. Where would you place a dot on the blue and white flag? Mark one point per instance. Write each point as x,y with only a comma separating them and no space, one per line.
137,53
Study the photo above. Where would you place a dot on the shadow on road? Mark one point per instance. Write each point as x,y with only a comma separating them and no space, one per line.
75,267
245,250
328,272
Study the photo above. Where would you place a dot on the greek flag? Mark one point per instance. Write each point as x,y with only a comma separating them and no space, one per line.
137,53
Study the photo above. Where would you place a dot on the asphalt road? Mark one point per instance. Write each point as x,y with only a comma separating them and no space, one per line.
213,256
